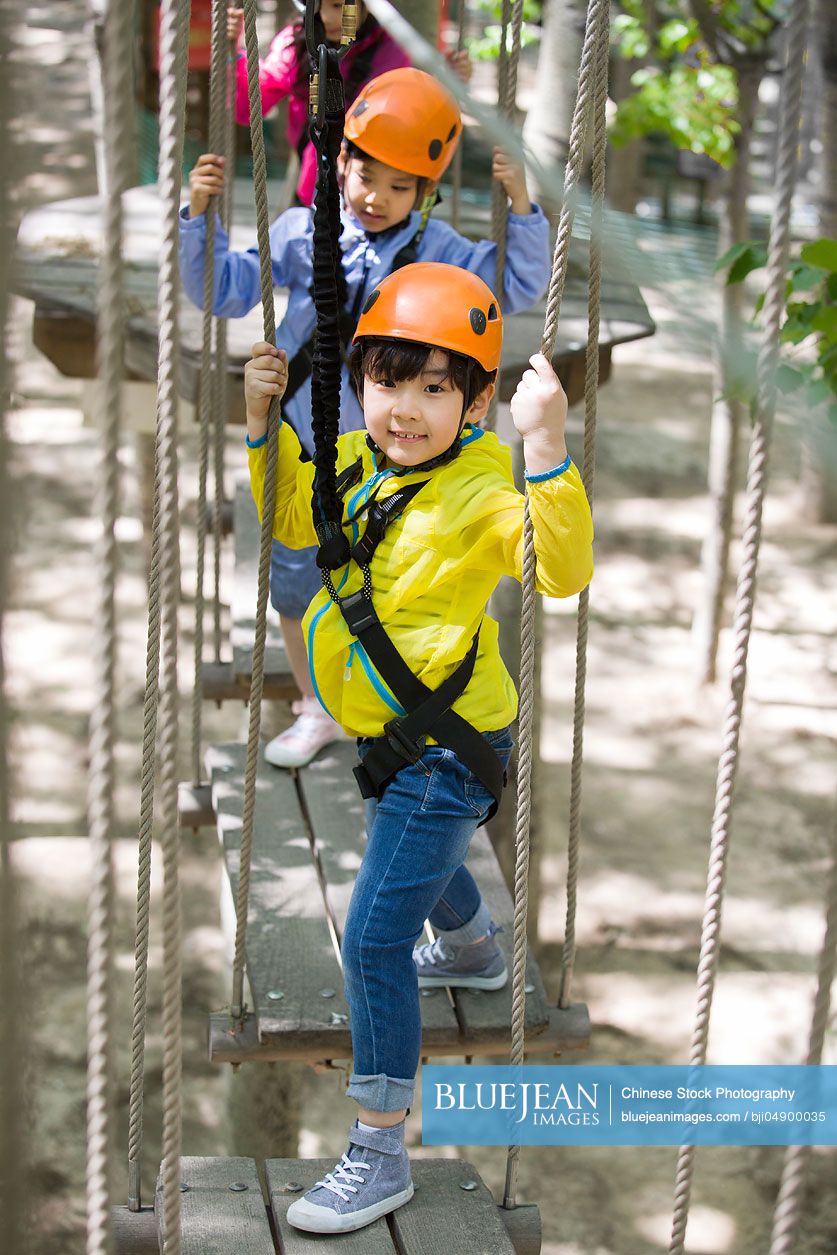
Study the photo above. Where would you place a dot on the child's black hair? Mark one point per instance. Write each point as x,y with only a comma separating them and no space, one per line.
379,358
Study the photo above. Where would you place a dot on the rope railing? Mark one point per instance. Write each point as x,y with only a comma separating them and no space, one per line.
209,398
592,91
14,1146
173,62
116,65
795,1167
786,168
257,673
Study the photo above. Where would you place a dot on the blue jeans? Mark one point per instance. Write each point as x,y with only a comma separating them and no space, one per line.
412,870
295,579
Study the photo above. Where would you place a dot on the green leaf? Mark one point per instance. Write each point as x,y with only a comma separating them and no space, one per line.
731,254
753,258
788,379
817,392
804,278
822,253
825,320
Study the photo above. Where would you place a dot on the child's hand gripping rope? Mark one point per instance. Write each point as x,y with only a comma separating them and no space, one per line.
265,377
539,412
206,179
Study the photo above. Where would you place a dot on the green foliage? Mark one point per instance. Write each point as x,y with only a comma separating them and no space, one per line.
689,91
809,328
487,48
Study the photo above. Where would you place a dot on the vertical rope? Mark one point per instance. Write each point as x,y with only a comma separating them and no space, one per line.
116,66
506,93
13,1130
591,386
173,69
209,371
590,77
257,678
786,167
792,1187
456,171
151,701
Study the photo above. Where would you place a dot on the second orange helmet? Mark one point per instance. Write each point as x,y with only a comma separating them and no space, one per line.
408,120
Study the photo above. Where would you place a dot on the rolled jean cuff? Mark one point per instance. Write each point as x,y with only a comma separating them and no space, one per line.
475,928
381,1092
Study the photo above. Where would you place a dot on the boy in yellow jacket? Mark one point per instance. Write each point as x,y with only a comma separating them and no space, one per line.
404,657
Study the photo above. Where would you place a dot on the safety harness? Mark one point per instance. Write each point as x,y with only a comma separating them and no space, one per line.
428,711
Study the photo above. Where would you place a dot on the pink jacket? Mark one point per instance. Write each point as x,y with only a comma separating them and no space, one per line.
279,76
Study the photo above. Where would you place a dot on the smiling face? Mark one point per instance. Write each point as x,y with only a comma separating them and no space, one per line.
414,420
379,196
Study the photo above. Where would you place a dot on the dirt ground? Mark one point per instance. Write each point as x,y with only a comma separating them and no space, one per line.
651,747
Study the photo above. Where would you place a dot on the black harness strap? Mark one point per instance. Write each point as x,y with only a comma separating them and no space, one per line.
379,515
428,711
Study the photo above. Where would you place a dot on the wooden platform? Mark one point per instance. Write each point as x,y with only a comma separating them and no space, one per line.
224,1213
57,261
307,846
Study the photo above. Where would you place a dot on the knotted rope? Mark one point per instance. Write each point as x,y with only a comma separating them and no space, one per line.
116,63
786,167
257,677
592,93
792,1187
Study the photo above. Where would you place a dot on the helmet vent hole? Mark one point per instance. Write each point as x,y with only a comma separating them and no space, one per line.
451,133
492,312
434,149
478,321
361,108
370,300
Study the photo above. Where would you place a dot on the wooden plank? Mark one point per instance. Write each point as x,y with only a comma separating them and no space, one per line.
335,810
194,805
289,947
375,1239
245,588
481,1012
217,1220
443,1217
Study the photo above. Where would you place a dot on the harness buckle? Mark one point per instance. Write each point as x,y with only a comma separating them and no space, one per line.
358,612
411,751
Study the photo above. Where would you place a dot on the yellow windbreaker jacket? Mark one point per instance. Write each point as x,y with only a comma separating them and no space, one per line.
433,572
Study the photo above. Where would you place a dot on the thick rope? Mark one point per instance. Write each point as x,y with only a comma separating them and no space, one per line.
14,1177
257,677
456,169
792,1187
116,65
591,393
506,93
589,78
209,372
220,365
173,68
786,167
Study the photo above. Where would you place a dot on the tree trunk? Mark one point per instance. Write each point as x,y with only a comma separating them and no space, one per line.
547,127
423,16
624,164
727,414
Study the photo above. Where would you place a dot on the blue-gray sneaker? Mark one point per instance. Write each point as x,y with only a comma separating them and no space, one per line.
474,965
371,1180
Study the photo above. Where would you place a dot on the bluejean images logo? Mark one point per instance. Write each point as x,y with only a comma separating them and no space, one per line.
630,1106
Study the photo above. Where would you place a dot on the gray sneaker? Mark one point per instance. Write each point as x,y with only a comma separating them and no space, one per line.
371,1180
477,965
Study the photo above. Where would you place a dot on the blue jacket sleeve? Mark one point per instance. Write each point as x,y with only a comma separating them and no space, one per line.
237,286
527,257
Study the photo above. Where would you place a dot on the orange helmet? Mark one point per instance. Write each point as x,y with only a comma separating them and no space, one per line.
431,302
408,120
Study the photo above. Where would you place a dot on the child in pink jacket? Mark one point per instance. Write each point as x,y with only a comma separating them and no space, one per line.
284,73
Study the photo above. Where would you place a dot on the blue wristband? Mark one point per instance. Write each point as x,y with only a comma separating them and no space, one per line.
544,475
255,444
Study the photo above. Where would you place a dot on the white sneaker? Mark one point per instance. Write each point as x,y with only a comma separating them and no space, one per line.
303,740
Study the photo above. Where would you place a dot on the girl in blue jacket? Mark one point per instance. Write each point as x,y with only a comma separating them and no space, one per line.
401,134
